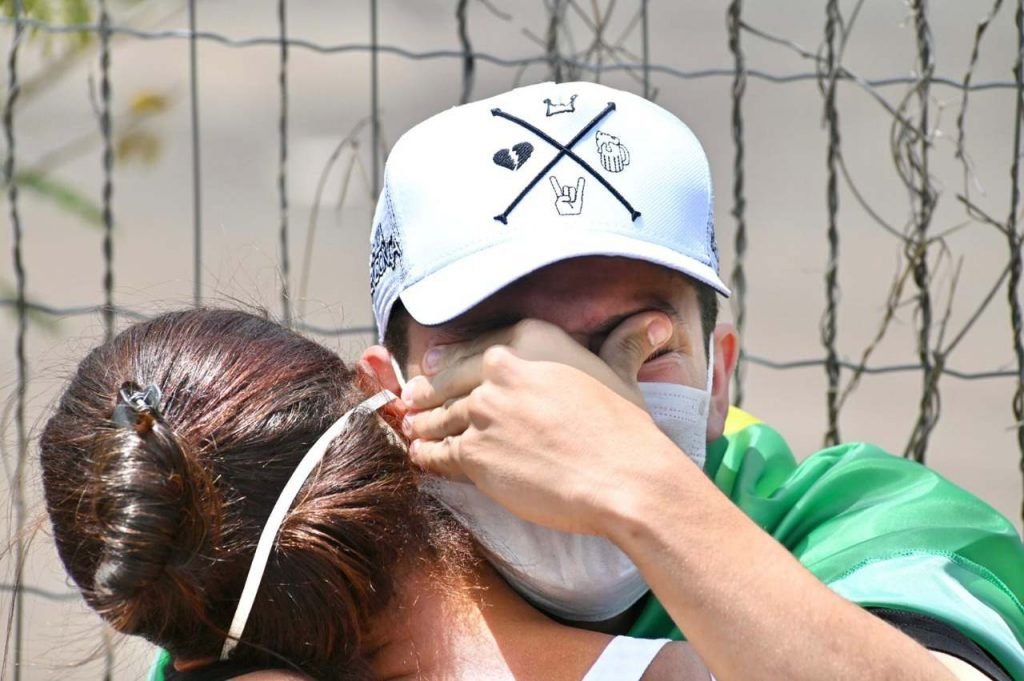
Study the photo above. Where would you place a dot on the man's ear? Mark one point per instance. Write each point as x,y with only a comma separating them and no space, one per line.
376,369
727,350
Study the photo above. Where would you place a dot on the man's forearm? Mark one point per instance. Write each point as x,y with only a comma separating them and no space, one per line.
750,608
746,604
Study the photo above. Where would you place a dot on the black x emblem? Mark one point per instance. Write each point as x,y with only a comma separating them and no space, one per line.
563,150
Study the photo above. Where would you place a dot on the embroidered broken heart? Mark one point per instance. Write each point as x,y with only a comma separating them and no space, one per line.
514,158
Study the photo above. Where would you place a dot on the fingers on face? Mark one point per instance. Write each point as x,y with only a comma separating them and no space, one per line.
533,338
633,341
439,423
452,383
498,364
462,375
452,355
439,457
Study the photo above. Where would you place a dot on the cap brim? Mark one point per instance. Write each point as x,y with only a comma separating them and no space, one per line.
457,287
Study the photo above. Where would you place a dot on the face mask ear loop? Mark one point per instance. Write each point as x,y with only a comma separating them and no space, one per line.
711,363
398,373
280,510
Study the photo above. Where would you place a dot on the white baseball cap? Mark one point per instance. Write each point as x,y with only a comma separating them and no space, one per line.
482,194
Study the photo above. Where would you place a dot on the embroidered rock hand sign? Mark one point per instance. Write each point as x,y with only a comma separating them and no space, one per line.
568,200
614,154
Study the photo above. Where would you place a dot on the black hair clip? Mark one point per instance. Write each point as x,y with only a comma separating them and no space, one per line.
137,407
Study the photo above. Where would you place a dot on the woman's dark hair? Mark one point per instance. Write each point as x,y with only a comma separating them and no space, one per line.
157,522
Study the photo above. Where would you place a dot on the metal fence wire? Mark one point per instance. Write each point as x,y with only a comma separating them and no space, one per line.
577,43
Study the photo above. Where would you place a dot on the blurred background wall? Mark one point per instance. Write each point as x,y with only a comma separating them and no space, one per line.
864,156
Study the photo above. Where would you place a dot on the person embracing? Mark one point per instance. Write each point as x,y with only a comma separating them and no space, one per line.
569,386
234,493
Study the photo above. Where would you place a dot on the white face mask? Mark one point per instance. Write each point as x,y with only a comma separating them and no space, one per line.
681,412
574,576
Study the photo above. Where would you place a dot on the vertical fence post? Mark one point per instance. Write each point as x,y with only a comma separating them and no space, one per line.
108,169
468,61
553,56
918,244
739,199
374,113
282,168
197,225
106,132
374,103
17,497
833,22
1014,238
646,40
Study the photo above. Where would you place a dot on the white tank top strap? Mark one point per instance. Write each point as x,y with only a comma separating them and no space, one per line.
625,659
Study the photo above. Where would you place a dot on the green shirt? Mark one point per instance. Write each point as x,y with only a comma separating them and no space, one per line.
879,530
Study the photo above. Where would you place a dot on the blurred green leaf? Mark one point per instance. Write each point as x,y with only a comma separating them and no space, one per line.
78,12
148,103
32,9
62,194
45,11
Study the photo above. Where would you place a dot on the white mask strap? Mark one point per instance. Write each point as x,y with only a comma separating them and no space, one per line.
280,510
711,362
398,372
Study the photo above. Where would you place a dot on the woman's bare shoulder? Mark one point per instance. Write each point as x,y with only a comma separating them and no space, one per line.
676,661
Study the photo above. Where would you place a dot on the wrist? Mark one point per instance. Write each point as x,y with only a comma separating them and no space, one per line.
667,494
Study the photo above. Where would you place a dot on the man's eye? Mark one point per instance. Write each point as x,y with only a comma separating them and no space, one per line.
661,352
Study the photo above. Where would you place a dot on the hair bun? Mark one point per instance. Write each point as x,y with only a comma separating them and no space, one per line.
155,506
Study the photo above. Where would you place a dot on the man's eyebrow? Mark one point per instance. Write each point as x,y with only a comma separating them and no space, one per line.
474,328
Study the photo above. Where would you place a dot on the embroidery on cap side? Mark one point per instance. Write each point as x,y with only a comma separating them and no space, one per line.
713,242
614,154
568,199
513,158
385,254
561,107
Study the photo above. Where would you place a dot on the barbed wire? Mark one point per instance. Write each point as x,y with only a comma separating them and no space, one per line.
197,185
911,150
107,160
39,592
342,331
282,163
738,279
1014,238
827,83
589,67
16,618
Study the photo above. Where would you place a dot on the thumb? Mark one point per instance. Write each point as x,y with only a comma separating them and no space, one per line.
632,342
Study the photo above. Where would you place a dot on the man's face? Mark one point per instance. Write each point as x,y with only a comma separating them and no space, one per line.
587,298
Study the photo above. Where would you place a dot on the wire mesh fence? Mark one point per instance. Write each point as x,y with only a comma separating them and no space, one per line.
944,193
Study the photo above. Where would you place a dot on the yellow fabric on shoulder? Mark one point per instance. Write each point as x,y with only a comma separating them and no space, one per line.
737,419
